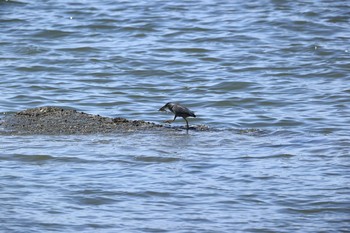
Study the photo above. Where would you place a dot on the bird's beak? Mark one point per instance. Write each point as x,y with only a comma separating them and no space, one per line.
163,109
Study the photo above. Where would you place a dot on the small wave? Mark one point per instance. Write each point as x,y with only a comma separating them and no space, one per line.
156,159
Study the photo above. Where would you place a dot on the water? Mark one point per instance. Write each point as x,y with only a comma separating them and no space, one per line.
270,78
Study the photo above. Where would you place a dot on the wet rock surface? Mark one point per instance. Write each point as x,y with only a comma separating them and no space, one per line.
56,120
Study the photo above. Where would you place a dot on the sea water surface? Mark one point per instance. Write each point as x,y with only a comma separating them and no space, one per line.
270,78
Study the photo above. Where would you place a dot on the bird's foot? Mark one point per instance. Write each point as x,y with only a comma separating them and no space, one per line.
168,121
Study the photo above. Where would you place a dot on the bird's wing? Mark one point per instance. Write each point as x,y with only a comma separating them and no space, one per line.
181,110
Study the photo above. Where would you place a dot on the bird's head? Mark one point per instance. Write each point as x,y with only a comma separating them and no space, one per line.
166,106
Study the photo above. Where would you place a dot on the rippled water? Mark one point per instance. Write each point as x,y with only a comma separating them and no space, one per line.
270,78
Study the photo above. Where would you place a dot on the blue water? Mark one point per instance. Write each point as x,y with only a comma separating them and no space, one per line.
269,78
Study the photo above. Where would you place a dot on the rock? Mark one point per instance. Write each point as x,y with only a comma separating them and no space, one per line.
56,120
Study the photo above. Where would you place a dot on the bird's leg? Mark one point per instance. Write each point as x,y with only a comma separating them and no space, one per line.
187,124
170,121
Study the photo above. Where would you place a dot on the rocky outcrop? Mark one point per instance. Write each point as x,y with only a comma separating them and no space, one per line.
56,120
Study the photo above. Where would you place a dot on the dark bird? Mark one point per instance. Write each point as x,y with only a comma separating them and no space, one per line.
178,110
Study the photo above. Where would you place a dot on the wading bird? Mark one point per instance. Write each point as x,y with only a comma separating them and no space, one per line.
178,110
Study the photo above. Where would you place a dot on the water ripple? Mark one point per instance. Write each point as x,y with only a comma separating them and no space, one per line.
269,78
